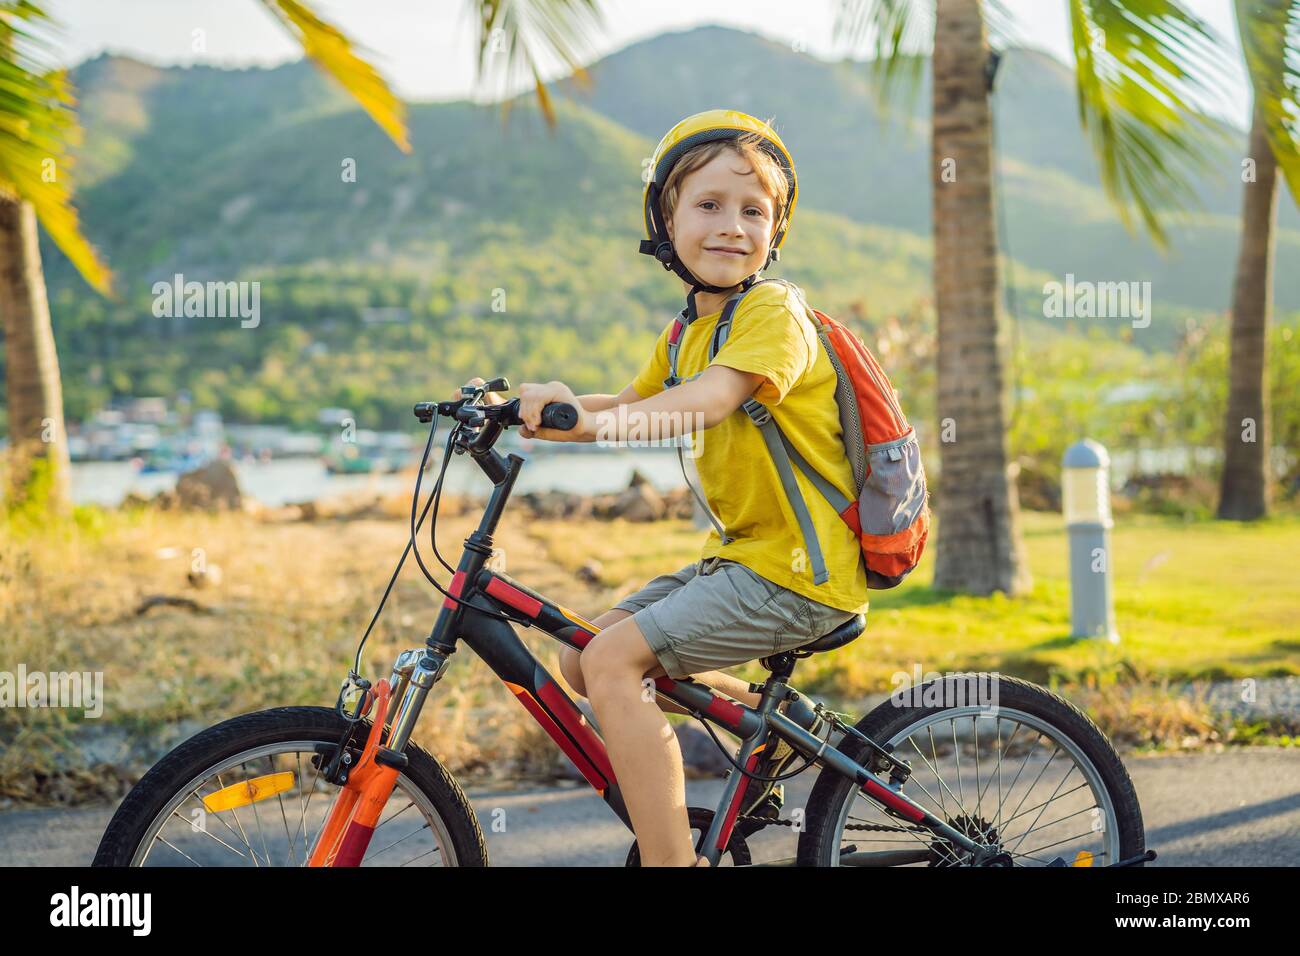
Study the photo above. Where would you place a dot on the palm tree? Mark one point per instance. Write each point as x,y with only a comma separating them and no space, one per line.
1138,65
1270,39
38,126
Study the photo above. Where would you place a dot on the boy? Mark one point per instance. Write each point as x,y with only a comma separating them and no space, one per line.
717,208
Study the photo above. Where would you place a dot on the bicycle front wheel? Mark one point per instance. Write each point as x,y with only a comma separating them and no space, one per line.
1031,774
165,820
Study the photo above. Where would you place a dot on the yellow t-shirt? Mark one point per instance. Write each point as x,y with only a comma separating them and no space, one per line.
771,336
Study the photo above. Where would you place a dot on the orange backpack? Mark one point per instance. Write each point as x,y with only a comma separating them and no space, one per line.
890,515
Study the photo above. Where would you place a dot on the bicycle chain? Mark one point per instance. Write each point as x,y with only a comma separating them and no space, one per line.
768,821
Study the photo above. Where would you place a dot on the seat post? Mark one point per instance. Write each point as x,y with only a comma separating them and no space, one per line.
781,665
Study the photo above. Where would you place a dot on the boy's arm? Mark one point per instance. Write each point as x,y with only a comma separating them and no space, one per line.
598,403
702,402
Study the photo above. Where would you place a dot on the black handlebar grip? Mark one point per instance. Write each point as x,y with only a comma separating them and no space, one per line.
559,415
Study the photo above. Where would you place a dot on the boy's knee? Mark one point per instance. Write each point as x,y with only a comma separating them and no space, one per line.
572,661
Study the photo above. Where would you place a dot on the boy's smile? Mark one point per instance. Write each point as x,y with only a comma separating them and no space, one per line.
722,225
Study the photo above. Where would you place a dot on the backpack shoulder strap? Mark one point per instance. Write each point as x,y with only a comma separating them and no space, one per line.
674,344
723,329
784,455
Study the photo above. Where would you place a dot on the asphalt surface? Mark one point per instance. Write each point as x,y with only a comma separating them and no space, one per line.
1233,808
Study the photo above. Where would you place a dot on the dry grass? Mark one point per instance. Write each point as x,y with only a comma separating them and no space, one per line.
280,628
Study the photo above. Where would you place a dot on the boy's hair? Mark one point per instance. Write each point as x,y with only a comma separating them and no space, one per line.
748,146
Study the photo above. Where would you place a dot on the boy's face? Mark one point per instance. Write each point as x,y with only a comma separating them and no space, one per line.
723,222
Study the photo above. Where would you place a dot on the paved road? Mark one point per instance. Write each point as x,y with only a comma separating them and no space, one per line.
1236,808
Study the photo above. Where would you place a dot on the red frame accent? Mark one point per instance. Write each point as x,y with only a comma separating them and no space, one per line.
562,740
516,598
456,587
724,834
887,796
355,841
724,710
575,722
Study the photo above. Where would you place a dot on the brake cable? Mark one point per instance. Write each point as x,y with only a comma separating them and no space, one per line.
414,546
411,545
830,729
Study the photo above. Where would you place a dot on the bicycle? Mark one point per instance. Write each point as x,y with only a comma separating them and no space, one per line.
361,751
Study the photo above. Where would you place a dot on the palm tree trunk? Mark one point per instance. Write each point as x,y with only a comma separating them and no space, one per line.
1244,490
978,547
34,392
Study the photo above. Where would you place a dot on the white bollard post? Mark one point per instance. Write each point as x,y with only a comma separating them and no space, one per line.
1085,493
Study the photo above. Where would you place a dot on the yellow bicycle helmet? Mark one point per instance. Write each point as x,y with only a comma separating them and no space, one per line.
700,128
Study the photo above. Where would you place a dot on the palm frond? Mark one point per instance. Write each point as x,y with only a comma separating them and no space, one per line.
38,129
1140,66
893,35
333,52
1004,31
1270,41
515,36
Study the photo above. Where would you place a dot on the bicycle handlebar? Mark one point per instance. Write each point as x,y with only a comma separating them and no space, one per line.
558,415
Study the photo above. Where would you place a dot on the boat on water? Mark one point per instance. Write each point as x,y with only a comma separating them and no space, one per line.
370,453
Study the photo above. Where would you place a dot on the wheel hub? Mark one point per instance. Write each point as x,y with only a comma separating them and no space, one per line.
944,853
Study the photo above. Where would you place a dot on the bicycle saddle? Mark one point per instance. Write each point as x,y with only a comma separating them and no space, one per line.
846,632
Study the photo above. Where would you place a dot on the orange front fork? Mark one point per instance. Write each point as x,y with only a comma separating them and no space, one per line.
356,809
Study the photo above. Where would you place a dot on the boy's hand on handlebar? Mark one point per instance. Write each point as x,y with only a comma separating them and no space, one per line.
534,397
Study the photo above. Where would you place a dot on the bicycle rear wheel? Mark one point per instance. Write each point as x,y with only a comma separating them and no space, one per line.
164,820
1032,774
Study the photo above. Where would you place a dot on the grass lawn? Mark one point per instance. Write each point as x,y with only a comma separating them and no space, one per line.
1192,600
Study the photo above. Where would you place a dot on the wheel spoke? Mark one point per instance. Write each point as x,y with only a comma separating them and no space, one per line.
235,813
436,849
257,816
1061,820
400,840
180,851
1039,849
219,818
1011,820
204,831
288,837
1055,750
935,771
1043,808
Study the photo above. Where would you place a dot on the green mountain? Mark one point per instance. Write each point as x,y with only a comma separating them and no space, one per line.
874,167
511,249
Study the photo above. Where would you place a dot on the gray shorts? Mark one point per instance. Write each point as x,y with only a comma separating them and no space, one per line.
718,613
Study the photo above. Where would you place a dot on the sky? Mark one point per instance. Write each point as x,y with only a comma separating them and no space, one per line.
426,48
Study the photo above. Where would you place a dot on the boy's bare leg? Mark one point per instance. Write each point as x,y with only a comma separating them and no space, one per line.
642,747
728,684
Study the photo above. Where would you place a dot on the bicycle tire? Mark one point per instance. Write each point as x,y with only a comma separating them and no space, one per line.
207,749
819,843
